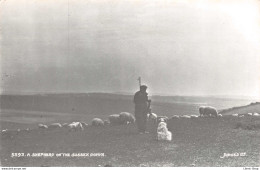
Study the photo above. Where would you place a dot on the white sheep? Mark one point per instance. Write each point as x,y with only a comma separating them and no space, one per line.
220,115
4,130
75,126
85,125
115,119
208,111
241,115
153,116
194,116
97,122
126,117
185,116
235,115
163,134
249,114
42,126
54,126
256,114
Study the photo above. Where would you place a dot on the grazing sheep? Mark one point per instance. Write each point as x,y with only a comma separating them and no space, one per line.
220,115
256,114
249,114
54,126
126,117
97,122
4,130
208,111
75,126
7,134
115,119
153,116
163,134
152,124
194,116
185,116
235,115
85,125
106,122
42,126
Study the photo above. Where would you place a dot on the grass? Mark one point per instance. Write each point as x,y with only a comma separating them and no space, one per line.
196,142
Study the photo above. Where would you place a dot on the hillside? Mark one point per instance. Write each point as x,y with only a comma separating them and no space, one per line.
251,108
196,142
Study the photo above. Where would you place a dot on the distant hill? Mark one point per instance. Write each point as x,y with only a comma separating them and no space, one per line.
108,103
251,108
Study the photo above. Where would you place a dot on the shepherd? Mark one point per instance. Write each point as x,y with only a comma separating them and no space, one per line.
142,107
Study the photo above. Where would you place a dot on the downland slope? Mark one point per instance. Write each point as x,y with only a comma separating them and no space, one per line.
196,142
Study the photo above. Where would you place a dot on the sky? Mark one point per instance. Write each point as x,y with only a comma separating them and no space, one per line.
178,47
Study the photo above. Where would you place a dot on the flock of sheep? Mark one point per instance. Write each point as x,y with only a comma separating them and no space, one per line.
115,119
127,118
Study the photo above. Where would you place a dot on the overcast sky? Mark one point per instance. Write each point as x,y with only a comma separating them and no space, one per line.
178,47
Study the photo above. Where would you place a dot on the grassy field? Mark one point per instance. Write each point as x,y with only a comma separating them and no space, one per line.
196,142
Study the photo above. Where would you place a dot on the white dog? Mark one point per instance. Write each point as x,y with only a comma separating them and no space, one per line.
162,131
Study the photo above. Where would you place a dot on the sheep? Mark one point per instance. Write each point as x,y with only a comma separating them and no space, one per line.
256,114
85,125
126,117
194,116
162,131
4,130
249,114
152,123
220,115
42,126
7,134
208,111
175,117
54,126
97,122
185,116
115,119
235,115
241,115
75,126
153,116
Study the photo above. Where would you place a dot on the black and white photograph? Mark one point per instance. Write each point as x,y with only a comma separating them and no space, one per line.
130,83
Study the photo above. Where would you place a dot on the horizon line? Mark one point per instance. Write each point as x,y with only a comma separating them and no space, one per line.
129,93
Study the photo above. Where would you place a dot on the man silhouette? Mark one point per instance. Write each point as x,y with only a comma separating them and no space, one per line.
141,108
